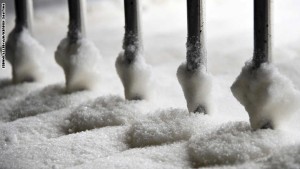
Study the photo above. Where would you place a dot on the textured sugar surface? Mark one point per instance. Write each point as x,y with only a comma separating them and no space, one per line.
25,53
80,61
42,126
268,96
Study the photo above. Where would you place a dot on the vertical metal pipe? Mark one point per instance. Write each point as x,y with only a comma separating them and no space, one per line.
76,19
196,51
132,43
23,10
262,32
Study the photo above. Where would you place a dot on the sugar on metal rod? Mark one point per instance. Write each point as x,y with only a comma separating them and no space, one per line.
196,51
76,19
262,32
23,10
132,43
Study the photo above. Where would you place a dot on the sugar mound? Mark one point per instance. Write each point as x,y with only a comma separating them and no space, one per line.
197,89
167,126
155,157
287,157
81,62
48,99
135,77
16,90
104,111
25,54
268,96
34,129
234,143
66,151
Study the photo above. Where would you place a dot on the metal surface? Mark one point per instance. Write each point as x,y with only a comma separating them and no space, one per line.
196,51
262,32
76,19
132,43
23,10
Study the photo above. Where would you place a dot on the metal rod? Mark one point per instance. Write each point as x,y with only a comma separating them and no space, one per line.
23,10
76,19
262,32
196,51
132,43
